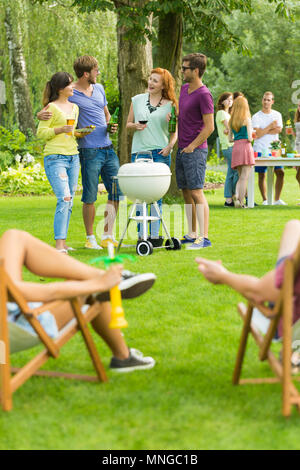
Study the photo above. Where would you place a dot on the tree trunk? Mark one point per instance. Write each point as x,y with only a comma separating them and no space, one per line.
169,54
135,64
20,89
169,57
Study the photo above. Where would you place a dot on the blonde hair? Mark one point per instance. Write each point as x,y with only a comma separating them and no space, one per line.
240,113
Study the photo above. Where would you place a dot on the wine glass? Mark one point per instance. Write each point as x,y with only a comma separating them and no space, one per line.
142,117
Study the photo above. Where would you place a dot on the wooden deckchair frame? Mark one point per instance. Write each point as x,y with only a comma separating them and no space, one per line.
284,309
8,383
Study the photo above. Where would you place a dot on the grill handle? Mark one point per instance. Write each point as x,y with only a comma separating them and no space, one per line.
143,157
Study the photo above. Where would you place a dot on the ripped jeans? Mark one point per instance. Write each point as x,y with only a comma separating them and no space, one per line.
62,172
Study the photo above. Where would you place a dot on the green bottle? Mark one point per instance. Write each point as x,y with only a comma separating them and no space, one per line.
172,122
113,120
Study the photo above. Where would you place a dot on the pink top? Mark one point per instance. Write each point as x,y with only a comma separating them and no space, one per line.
279,274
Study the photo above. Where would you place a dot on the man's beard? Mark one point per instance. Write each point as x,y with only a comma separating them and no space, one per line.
91,81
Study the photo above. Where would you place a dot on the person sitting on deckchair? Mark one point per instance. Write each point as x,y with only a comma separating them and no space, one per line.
19,248
267,288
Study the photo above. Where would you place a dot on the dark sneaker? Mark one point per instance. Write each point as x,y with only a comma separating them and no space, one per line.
229,204
187,239
132,285
201,242
135,361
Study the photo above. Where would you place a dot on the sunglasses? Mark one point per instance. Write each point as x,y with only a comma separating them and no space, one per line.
183,68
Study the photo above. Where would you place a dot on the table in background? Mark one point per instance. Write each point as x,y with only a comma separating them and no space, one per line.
270,163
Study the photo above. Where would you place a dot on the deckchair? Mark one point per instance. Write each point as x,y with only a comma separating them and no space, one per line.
9,383
282,309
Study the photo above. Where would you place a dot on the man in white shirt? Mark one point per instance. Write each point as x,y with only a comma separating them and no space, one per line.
268,124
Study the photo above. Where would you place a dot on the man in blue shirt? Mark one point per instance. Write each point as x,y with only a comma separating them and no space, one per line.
97,156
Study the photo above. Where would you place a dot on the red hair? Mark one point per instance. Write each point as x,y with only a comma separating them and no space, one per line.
168,91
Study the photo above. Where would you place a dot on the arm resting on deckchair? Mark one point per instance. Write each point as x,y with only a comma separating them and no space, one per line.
252,288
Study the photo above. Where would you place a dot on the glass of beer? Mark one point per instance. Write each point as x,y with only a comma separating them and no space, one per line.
70,122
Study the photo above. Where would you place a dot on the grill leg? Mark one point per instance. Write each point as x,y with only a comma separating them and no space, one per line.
132,210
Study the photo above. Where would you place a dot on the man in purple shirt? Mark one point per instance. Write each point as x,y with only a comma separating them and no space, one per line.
195,124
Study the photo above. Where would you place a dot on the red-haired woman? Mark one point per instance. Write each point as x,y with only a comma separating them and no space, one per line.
148,119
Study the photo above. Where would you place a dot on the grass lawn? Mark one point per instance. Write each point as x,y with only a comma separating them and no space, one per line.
192,330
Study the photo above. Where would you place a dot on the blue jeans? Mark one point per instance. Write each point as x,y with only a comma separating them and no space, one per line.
155,225
96,162
232,176
62,172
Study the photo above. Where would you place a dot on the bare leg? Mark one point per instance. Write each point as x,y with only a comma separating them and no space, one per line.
279,183
262,185
298,175
88,214
112,337
241,187
19,248
290,238
190,211
202,211
110,216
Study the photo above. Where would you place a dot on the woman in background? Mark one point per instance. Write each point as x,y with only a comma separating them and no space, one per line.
242,152
224,104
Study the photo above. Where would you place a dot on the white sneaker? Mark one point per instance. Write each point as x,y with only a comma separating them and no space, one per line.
92,244
265,203
280,202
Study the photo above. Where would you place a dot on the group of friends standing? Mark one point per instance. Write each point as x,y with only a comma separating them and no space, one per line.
237,131
85,102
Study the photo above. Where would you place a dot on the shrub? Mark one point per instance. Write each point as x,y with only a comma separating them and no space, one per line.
213,159
16,148
216,177
25,180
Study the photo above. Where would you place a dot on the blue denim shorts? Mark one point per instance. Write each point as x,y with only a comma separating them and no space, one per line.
263,169
190,169
96,162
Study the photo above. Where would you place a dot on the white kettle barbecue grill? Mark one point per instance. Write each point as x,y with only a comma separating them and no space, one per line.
145,182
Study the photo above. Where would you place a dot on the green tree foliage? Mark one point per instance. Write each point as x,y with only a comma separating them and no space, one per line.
53,36
273,64
203,19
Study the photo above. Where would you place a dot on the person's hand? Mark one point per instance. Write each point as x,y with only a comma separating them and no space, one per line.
140,127
112,277
79,135
226,131
114,128
168,117
44,114
189,149
213,271
64,129
166,151
272,125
